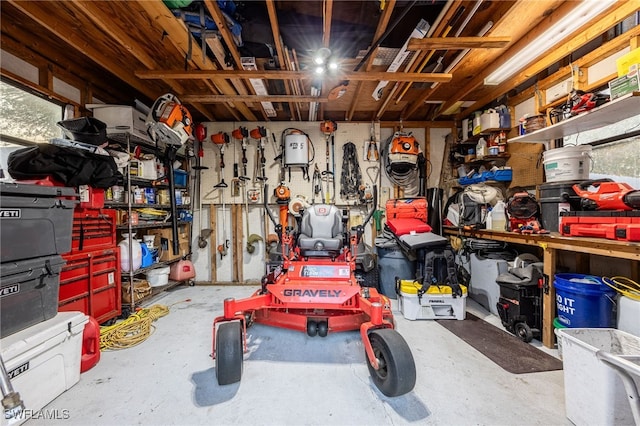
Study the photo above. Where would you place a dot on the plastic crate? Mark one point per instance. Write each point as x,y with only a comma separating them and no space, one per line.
29,292
93,229
90,283
180,177
36,220
594,393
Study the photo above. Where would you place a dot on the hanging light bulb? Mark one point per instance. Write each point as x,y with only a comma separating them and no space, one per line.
321,55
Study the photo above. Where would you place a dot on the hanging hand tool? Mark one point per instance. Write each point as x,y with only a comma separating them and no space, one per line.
221,139
317,184
328,128
259,134
241,134
283,196
201,135
372,148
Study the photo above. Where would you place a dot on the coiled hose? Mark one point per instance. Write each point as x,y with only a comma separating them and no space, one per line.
623,285
133,330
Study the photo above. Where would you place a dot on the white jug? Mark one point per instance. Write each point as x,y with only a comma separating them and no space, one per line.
136,253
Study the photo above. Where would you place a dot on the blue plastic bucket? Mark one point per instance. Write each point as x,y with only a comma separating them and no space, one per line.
584,301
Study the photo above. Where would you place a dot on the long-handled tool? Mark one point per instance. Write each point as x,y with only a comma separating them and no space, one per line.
328,128
200,136
221,139
241,134
372,147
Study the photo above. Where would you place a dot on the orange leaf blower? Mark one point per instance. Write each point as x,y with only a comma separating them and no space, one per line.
604,194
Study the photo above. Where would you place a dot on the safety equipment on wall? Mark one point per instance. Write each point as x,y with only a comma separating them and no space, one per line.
169,121
402,157
351,186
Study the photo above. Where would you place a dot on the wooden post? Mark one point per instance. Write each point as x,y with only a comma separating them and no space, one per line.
549,297
213,225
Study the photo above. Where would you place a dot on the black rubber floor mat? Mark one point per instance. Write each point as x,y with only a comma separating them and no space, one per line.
501,347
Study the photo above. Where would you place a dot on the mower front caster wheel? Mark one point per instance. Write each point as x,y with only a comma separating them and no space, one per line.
396,373
523,331
229,353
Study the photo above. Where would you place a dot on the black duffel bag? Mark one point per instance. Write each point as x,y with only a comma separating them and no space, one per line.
69,166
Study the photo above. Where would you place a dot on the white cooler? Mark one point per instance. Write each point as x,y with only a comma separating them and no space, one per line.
43,360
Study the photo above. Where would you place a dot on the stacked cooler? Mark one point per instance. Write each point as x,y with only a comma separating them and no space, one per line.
40,348
90,280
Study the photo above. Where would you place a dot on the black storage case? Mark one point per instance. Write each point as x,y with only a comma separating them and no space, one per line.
36,220
520,306
556,198
28,292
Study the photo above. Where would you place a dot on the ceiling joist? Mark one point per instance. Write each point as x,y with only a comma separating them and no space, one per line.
451,43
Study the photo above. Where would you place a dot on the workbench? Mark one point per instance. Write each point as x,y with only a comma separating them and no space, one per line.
551,244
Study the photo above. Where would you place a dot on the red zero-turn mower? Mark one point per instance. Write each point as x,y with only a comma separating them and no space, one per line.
314,289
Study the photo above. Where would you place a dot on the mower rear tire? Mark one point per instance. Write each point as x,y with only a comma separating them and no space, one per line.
229,353
396,373
369,279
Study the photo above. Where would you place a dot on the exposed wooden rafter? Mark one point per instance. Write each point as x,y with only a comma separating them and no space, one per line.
292,75
450,43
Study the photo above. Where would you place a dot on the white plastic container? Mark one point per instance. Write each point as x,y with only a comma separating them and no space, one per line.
568,163
628,315
490,119
594,393
158,277
481,149
136,253
498,217
43,360
436,303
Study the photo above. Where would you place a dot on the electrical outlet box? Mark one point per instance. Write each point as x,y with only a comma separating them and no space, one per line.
559,90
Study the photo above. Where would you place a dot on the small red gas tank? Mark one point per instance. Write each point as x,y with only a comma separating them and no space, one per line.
90,345
182,270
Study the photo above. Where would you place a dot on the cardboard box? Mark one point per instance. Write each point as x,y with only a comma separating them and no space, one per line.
623,85
164,240
624,63
121,119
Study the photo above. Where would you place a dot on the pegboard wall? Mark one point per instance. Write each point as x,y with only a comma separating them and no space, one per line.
358,133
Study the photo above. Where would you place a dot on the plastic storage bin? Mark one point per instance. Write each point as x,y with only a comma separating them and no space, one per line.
594,393
159,276
584,301
392,264
29,292
436,303
30,213
43,361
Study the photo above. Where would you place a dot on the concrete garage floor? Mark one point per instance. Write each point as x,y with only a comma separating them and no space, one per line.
292,379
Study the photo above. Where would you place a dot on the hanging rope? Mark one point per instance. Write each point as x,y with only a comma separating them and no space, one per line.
351,177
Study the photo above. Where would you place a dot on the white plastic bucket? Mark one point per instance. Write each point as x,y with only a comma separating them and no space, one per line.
158,277
568,163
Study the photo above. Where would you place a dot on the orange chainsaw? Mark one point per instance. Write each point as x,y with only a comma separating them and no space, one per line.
604,194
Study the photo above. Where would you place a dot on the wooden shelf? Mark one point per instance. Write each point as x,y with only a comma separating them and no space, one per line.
607,114
149,225
123,205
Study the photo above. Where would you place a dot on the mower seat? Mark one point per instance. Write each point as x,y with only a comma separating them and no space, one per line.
321,231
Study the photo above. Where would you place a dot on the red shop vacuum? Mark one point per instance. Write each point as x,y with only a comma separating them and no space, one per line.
314,289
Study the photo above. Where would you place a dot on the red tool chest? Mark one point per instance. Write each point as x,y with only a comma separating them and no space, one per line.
93,229
90,283
612,225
